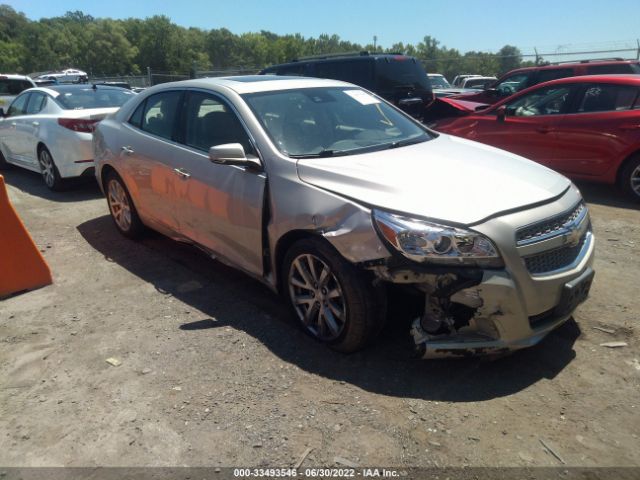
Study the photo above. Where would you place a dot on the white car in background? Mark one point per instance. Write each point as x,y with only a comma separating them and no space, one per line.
11,86
49,129
70,75
479,83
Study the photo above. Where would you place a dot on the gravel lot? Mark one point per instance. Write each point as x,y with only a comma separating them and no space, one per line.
214,372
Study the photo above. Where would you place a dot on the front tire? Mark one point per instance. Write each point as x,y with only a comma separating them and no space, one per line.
630,178
50,173
333,301
123,211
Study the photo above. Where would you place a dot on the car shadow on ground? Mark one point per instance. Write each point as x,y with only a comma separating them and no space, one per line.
608,195
76,189
227,297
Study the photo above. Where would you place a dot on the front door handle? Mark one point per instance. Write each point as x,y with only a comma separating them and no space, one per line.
13,124
544,129
629,126
127,150
182,173
35,124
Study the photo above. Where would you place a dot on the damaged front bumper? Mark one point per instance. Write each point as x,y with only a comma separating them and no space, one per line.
501,324
492,312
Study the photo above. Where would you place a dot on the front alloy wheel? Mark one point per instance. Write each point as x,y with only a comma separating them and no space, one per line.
334,301
317,297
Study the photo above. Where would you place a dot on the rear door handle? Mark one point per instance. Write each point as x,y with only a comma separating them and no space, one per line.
127,150
544,129
13,124
629,126
35,124
182,172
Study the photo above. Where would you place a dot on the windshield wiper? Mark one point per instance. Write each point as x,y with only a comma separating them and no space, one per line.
408,141
320,154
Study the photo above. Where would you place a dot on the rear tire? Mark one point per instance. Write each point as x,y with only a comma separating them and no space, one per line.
333,301
630,178
123,211
50,173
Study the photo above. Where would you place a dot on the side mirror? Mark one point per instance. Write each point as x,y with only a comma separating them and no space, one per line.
492,92
501,113
233,154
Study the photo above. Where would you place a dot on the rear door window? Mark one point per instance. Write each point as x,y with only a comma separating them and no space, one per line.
553,74
610,69
607,98
160,114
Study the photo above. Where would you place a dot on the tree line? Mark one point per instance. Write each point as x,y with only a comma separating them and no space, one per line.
104,46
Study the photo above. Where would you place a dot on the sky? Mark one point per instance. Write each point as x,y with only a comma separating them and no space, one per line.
487,25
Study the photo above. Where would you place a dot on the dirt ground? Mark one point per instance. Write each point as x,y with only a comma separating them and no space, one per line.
214,371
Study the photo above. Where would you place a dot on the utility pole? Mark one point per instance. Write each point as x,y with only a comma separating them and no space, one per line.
375,41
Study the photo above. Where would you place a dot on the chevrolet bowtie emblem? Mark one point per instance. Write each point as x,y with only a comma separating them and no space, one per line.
572,237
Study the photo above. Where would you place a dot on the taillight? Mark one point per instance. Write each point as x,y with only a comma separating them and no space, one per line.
78,124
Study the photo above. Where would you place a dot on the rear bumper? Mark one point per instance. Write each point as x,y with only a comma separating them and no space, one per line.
72,152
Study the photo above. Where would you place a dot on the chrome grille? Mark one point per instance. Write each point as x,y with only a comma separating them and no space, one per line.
555,259
532,233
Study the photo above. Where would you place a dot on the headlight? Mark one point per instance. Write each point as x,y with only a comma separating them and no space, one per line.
424,241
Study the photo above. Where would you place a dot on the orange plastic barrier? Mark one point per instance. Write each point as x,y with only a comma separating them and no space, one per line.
21,265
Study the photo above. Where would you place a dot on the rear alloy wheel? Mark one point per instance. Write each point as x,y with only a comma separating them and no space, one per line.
630,178
333,301
123,212
50,173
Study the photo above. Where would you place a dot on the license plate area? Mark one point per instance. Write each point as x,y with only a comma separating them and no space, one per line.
574,293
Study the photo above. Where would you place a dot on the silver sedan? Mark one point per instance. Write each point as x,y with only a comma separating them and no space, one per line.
327,194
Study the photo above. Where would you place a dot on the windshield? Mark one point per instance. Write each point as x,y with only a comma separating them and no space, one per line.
9,86
438,81
315,122
79,99
400,73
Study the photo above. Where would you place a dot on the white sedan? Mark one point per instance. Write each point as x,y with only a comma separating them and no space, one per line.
49,129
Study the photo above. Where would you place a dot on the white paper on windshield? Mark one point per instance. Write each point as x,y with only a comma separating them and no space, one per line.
362,97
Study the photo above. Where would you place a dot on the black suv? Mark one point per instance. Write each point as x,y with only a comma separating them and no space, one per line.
400,79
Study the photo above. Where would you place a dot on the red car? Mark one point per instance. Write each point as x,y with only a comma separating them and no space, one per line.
586,127
521,78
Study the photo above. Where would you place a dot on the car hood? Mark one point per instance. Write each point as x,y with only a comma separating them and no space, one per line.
464,105
448,179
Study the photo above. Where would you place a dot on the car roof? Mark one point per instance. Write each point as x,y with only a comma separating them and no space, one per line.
55,90
479,77
257,83
622,78
13,76
556,66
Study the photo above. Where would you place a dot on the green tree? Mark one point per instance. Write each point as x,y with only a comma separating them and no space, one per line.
509,57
